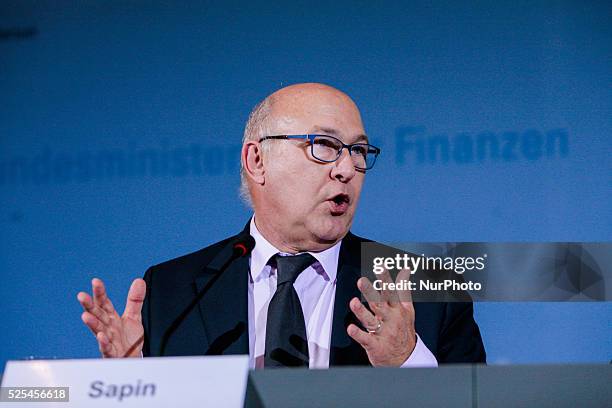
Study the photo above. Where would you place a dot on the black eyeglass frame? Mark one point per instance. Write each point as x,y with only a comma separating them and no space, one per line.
370,148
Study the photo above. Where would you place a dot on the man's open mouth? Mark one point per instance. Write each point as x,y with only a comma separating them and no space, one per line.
339,204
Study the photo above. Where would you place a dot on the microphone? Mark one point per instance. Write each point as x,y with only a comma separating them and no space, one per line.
242,246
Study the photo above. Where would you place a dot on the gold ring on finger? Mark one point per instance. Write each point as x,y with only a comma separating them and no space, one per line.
376,330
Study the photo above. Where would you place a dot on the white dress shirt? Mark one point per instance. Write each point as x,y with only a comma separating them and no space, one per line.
316,289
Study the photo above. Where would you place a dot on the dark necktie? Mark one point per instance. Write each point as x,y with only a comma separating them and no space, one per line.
286,342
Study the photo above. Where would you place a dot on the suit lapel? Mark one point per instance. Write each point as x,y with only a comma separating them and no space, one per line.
344,350
223,308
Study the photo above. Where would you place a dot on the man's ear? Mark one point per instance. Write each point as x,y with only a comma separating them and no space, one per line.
252,160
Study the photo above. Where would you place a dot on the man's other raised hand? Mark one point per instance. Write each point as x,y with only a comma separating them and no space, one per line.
118,336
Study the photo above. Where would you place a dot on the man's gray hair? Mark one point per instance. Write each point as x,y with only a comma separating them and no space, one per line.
257,126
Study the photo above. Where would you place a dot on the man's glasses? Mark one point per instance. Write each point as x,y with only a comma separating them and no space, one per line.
328,149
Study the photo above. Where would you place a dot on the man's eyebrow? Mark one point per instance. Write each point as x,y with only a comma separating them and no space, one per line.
334,132
324,130
363,138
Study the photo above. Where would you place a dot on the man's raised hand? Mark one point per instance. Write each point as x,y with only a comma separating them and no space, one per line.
118,336
390,336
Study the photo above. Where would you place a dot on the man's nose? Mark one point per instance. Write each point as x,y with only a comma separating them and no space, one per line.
343,169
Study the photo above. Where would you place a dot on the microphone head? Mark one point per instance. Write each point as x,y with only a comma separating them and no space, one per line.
244,245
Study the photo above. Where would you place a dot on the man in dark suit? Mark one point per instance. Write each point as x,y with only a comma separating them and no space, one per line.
294,301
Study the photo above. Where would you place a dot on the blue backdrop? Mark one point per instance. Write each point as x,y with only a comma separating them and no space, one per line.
120,125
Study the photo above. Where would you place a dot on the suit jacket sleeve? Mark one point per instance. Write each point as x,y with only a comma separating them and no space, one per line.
460,340
146,313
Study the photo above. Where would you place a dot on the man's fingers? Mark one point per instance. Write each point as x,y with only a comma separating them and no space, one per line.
388,295
365,339
367,319
89,306
367,290
85,300
373,297
405,295
136,296
104,345
108,327
100,297
91,321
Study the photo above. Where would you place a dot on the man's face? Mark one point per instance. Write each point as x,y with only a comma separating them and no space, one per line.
306,204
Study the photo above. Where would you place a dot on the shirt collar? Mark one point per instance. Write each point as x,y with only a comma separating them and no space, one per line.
264,250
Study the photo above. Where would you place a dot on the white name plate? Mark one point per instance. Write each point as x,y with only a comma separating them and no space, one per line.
214,381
